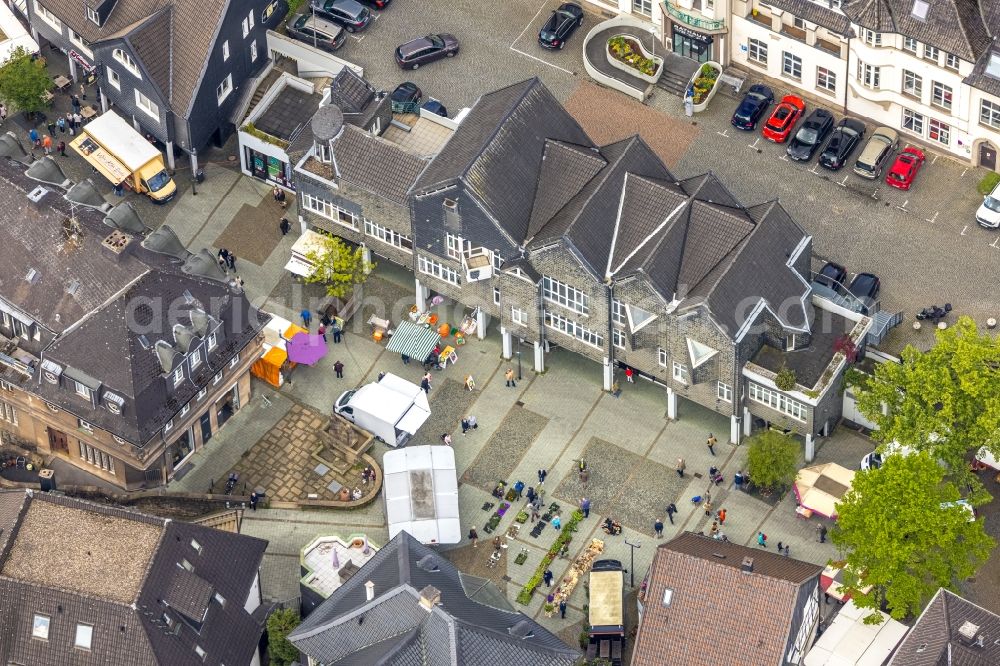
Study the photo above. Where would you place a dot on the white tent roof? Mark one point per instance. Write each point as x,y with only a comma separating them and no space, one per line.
848,641
421,493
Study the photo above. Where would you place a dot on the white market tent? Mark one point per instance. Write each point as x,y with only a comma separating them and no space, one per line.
848,641
820,487
421,493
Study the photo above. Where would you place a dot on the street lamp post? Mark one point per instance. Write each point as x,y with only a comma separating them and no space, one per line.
518,365
631,569
194,173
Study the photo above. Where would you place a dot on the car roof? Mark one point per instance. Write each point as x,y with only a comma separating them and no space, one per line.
352,6
886,132
414,45
324,26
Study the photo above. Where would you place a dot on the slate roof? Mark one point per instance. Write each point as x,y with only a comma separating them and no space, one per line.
814,12
289,111
934,639
717,613
955,26
148,40
136,634
978,77
376,164
351,93
396,630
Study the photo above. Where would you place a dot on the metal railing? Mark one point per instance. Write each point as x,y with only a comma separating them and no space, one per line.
694,21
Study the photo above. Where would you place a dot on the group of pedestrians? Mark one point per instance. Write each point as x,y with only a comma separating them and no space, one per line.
227,260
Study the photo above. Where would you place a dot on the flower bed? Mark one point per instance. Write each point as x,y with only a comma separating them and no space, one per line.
524,597
703,85
627,54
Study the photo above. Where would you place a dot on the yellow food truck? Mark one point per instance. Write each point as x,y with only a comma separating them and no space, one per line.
122,155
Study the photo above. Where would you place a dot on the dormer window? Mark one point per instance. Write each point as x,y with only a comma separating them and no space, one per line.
185,409
198,651
82,390
168,426
51,371
196,545
213,341
195,358
178,375
114,402
126,59
93,16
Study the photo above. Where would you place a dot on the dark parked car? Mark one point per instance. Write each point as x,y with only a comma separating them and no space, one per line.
348,13
435,107
753,106
423,50
810,136
865,287
563,22
316,32
832,275
406,93
845,138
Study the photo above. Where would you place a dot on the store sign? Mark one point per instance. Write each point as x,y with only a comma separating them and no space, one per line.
80,60
696,36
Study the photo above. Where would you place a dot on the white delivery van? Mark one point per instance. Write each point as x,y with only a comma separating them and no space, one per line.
391,409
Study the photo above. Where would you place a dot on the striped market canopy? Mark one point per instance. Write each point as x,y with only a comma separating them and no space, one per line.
413,340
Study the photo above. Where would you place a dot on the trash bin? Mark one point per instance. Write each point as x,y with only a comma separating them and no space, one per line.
47,480
199,176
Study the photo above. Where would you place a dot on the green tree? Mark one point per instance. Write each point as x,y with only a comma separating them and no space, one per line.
338,266
279,624
23,81
943,401
901,540
772,459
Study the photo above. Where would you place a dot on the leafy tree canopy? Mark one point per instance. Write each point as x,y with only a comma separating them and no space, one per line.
772,459
23,81
279,624
944,401
338,266
901,538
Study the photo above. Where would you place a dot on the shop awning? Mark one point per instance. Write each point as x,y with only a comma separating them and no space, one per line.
413,340
820,487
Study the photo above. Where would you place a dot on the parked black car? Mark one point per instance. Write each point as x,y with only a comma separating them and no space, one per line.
563,22
847,136
316,32
810,135
348,13
753,106
832,275
406,93
865,286
435,107
423,50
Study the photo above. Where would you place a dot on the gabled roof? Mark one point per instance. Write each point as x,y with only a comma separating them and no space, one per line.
375,164
350,92
717,613
985,75
147,40
935,638
566,168
394,628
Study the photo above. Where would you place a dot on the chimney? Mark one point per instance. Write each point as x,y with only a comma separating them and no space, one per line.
116,244
747,565
968,631
452,218
430,597
369,591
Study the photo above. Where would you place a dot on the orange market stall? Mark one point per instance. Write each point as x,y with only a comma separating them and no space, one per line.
273,366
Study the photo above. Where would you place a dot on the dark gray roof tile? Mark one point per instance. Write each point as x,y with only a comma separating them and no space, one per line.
814,12
566,169
955,26
934,639
376,165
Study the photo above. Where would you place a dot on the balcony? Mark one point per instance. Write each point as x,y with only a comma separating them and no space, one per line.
712,25
832,48
793,32
760,18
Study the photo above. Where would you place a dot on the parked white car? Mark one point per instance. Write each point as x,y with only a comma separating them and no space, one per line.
988,215
874,459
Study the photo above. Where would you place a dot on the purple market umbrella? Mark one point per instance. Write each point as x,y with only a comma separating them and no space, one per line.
306,348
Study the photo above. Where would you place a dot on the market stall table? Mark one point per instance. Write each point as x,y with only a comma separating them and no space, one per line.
62,82
415,341
820,487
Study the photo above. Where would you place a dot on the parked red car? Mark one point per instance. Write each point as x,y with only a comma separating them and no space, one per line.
779,126
905,168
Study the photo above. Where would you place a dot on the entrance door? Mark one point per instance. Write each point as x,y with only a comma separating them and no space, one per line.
987,155
686,46
58,441
206,427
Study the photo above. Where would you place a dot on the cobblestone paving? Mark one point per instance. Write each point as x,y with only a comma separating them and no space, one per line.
451,402
504,450
253,233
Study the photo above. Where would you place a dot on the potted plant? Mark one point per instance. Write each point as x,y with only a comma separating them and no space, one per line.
626,53
703,85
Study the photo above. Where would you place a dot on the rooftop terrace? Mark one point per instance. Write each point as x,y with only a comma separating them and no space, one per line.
329,561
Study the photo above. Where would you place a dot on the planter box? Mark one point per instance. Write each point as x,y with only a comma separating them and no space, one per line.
715,87
638,47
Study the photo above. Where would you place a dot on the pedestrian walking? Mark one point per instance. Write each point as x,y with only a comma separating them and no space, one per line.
231,261
821,532
474,537
33,135
61,124
405,359
51,126
585,507
77,119
658,527
322,331
446,439
671,510
722,516
787,549
47,144
547,577
531,494
628,375
305,314
69,123
738,480
541,475
562,609
781,547
83,91
425,385
535,514
61,148
3,112
119,190
714,530
557,522
680,467
254,498
509,376
712,441
337,330
285,226
473,422
75,103
761,539
338,367
465,425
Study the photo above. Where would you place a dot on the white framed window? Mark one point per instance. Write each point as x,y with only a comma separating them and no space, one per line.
519,316
912,84
952,61
40,626
618,312
437,269
195,358
497,260
938,131
661,356
196,546
225,50
47,16
178,375
200,652
869,75
84,426
234,361
82,390
246,27
223,89
388,236
217,378
941,95
496,295
219,599
618,338
253,51
826,79
330,211
250,18
84,636
913,122
213,341
871,37
126,59
562,294
791,65
757,51
147,105
989,114
187,566
644,7
325,155
168,426
910,44
573,329
680,372
455,246
114,79
724,391
80,43
185,409
94,17
931,52
778,401
202,393
8,413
